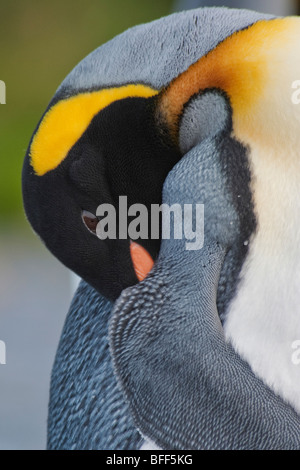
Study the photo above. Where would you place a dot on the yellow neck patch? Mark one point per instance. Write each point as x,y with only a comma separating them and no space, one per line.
244,65
67,120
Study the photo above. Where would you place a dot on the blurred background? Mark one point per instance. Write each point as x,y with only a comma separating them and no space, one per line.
40,42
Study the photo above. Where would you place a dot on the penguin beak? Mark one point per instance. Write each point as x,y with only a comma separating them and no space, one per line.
141,260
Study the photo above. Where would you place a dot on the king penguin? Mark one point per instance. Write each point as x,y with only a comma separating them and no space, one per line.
195,353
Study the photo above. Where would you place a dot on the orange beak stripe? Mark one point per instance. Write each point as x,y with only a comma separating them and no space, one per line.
141,260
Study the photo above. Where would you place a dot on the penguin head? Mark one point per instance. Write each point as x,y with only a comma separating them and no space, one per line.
89,149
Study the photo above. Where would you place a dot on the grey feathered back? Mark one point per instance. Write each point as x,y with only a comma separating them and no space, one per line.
87,409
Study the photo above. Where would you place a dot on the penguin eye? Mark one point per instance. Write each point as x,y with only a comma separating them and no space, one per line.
90,221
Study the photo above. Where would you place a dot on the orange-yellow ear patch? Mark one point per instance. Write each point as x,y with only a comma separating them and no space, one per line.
141,260
67,120
241,65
